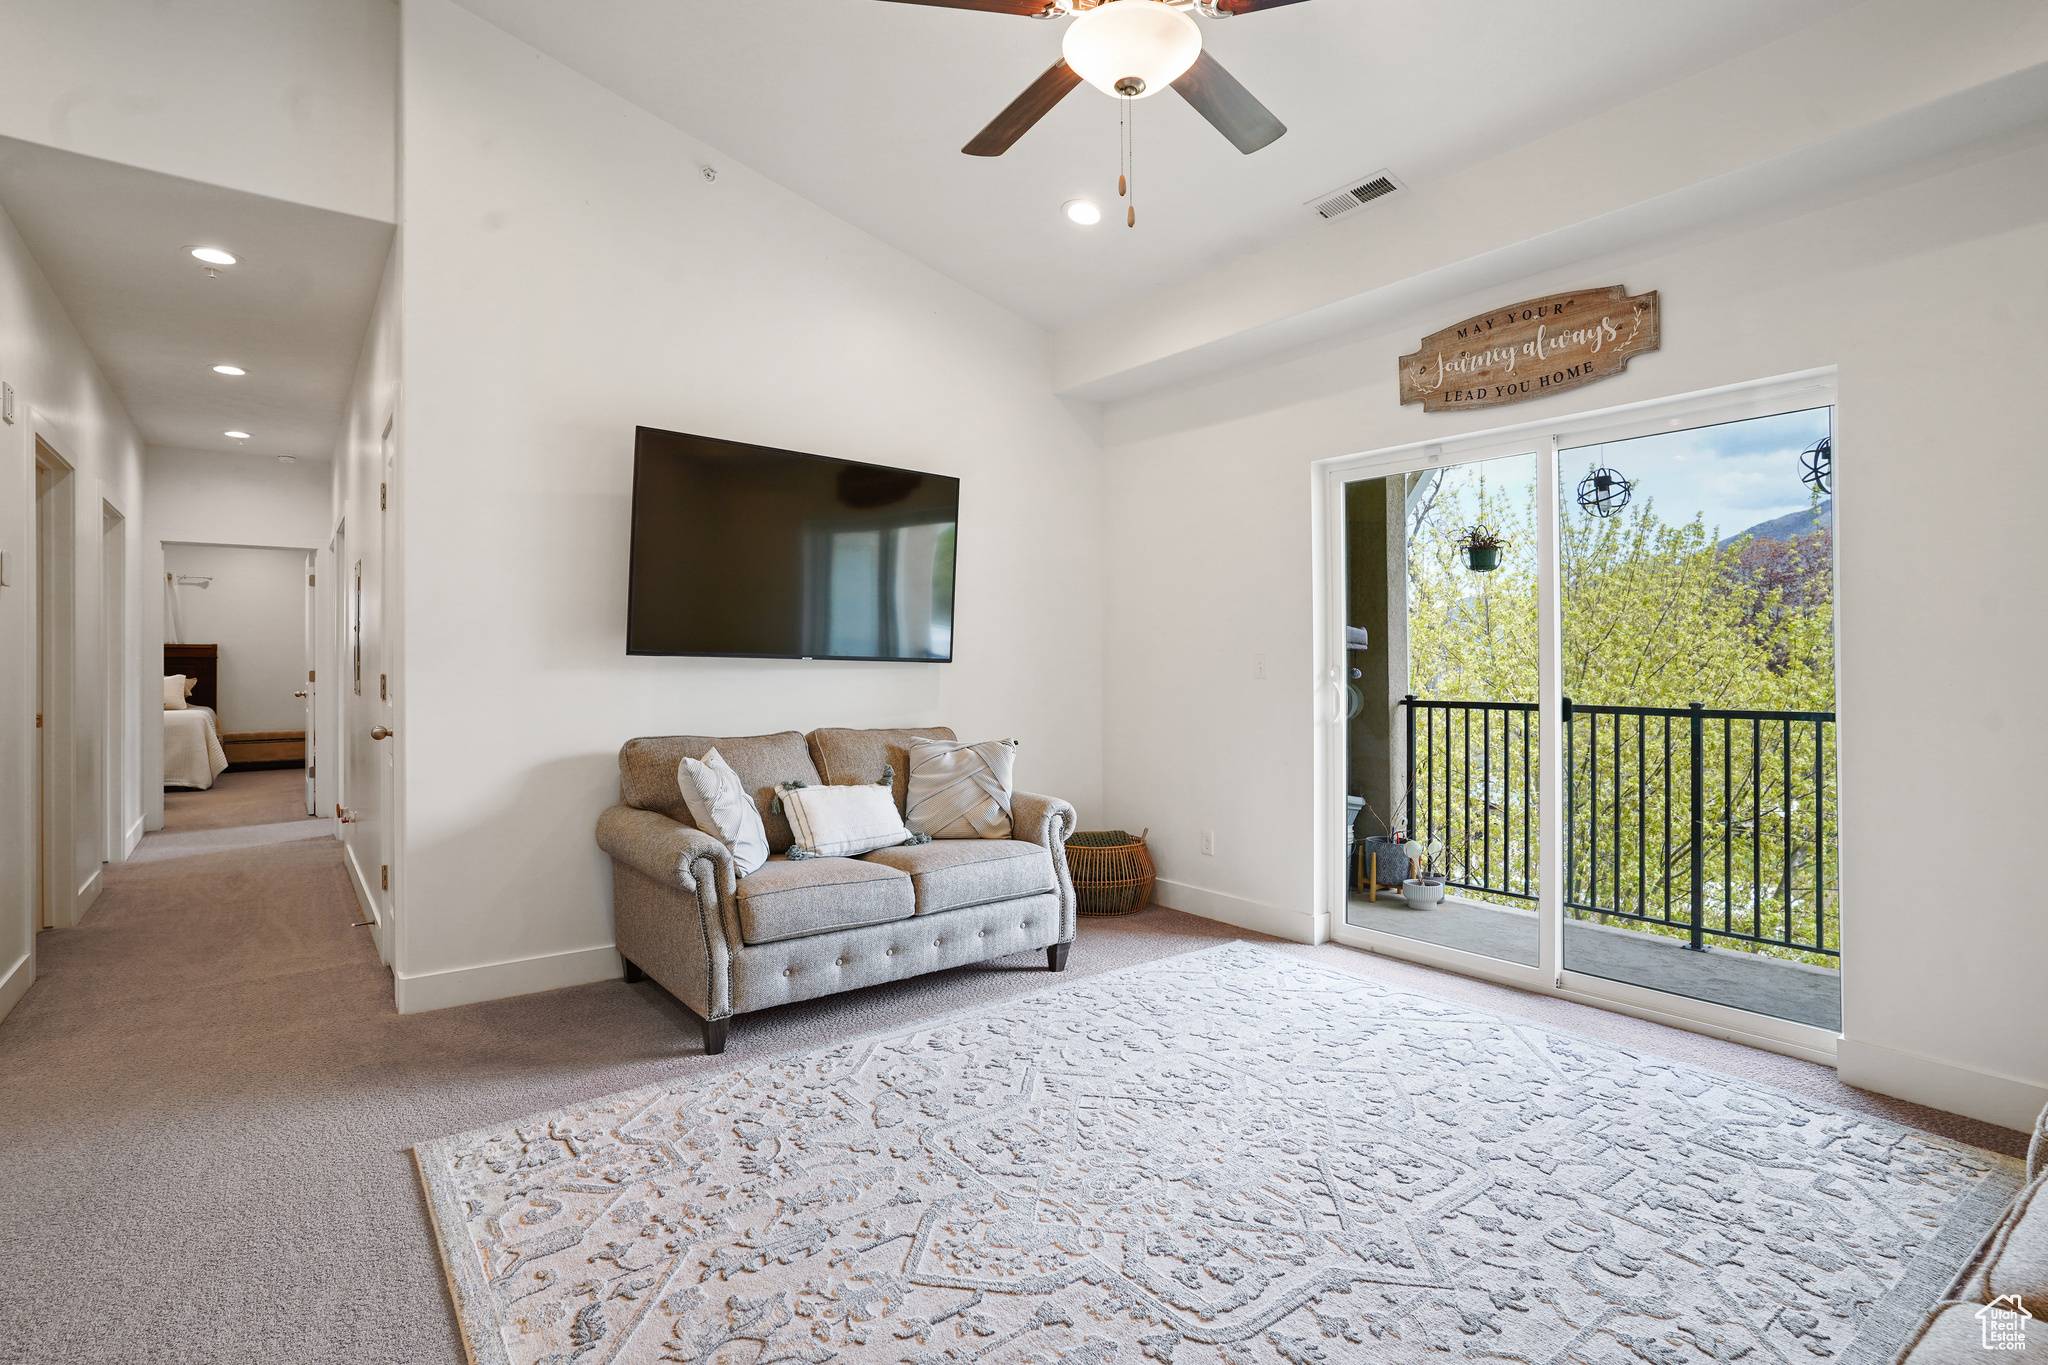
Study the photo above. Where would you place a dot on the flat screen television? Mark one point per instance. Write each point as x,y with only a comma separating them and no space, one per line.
744,551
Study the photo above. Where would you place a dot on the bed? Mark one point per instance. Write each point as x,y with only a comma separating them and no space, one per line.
192,753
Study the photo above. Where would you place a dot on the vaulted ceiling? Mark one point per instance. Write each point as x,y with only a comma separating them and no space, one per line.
862,106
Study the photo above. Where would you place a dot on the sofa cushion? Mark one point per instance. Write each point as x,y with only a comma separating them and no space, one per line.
785,899
647,773
1953,1335
857,757
2014,1259
951,873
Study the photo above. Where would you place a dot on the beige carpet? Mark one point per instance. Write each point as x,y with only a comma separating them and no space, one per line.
260,796
209,1103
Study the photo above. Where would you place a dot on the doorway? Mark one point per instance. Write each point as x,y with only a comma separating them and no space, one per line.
1587,679
57,888
114,652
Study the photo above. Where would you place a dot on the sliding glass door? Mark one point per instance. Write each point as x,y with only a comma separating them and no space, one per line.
1586,687
1441,708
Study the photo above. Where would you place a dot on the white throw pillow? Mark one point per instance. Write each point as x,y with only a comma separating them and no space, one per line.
960,791
719,803
842,822
174,692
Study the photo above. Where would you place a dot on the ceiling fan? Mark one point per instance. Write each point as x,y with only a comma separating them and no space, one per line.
1130,49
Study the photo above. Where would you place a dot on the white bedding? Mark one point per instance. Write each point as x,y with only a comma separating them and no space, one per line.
192,752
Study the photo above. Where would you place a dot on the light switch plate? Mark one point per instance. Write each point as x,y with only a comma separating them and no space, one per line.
7,403
6,563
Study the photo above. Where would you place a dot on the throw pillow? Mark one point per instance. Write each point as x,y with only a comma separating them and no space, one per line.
174,692
719,803
960,791
841,822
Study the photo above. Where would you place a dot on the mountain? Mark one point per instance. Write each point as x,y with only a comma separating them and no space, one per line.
1792,525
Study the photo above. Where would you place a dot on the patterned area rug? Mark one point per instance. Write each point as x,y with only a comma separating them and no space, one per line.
1234,1157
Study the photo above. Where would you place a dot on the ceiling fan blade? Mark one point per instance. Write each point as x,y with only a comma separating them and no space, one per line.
1030,9
1249,6
1218,98
1028,108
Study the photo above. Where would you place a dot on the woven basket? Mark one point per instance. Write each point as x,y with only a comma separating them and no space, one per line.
1112,871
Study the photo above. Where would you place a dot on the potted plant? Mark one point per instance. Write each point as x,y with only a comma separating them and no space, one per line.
1423,890
1482,549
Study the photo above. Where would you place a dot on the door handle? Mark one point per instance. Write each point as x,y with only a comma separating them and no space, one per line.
298,694
380,733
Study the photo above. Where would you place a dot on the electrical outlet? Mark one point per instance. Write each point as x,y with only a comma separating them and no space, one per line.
1258,665
1208,843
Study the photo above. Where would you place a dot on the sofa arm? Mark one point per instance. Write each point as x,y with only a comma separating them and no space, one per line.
1047,821
655,846
673,914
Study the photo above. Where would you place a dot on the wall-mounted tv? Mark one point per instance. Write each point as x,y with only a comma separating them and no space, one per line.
745,551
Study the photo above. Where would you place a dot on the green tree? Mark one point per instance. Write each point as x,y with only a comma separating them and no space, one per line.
1657,615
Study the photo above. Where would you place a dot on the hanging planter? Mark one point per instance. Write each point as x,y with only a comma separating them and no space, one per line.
1482,549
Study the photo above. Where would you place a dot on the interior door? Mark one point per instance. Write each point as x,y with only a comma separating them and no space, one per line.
385,708
308,720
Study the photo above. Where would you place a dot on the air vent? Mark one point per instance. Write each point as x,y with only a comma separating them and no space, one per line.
1356,195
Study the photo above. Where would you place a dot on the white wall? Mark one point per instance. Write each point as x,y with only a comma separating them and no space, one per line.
61,395
254,609
568,275
294,99
1917,293
214,498
207,497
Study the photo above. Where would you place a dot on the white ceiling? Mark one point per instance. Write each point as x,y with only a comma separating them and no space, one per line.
114,243
861,106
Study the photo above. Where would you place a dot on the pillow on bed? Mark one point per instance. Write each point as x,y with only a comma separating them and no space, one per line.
176,689
719,803
191,684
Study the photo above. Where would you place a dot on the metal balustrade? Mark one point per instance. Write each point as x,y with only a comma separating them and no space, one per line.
1710,825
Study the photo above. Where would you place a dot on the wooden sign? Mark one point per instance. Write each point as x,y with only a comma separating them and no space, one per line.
1531,349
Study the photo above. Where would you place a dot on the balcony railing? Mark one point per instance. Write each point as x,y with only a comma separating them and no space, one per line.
1708,825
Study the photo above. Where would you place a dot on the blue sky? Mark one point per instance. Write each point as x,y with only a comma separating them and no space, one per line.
1738,473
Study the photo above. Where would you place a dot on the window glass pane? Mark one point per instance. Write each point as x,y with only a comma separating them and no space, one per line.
1697,577
1441,594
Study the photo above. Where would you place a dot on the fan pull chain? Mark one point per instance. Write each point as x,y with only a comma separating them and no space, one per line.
1127,157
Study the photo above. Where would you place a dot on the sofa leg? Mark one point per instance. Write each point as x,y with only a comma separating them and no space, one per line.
633,973
1056,957
714,1035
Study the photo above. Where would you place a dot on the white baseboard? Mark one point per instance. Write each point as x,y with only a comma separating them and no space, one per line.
16,982
88,892
497,980
2004,1100
1296,925
131,838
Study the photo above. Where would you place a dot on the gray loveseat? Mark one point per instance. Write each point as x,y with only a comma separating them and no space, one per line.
726,945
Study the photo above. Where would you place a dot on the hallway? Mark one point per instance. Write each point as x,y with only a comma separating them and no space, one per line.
211,1101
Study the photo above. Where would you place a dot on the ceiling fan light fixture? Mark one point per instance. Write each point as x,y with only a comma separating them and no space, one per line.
1131,48
1082,211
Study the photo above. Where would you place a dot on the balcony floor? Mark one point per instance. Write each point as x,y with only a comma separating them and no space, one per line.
1724,976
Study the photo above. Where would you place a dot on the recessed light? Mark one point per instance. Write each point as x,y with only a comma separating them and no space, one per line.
236,435
287,459
1082,211
229,369
213,255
